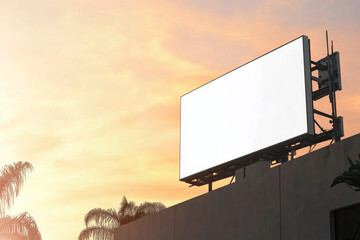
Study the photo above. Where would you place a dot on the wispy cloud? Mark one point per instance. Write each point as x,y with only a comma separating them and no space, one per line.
90,91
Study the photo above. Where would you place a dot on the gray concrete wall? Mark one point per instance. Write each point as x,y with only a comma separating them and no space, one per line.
292,201
306,196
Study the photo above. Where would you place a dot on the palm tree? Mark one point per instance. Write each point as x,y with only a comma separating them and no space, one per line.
22,226
101,223
352,179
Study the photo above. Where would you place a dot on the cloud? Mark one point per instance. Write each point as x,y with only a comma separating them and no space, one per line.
91,91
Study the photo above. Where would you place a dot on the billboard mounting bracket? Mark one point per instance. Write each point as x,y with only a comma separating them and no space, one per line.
328,82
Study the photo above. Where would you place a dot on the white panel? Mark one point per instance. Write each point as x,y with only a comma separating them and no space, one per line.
255,106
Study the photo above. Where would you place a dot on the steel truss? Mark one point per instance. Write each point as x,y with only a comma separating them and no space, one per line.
328,82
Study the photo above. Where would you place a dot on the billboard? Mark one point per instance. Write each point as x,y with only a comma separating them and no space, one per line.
261,104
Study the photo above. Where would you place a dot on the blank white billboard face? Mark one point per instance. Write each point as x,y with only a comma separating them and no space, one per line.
258,105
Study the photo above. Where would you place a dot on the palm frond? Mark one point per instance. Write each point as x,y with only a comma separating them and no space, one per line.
101,216
97,233
127,208
144,209
351,180
147,208
106,220
15,236
22,226
350,161
351,177
12,178
355,167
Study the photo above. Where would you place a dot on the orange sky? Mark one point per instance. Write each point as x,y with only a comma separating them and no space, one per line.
90,91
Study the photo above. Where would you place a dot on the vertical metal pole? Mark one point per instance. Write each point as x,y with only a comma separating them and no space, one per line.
329,68
327,43
332,94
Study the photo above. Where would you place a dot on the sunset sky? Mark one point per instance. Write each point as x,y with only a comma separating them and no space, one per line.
90,90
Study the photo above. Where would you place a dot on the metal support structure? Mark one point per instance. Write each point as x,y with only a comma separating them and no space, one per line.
328,82
322,114
317,124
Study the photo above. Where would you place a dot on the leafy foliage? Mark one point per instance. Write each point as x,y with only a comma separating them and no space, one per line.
350,177
23,226
97,232
101,223
12,177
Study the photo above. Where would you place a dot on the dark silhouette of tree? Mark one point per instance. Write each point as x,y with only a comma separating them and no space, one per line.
351,178
23,226
101,223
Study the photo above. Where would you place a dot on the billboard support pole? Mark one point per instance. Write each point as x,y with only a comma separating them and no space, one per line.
210,186
328,82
